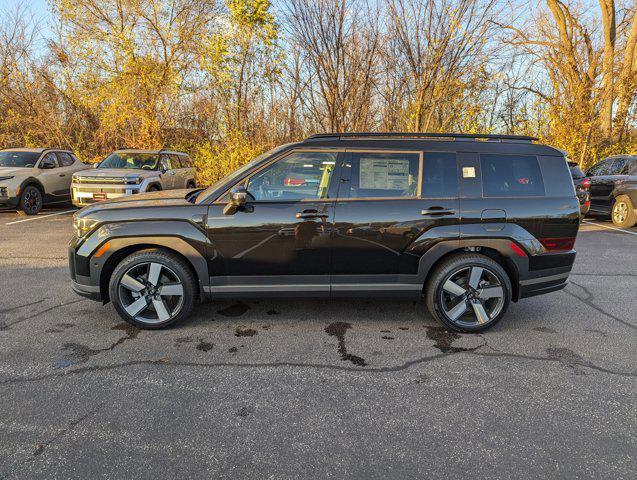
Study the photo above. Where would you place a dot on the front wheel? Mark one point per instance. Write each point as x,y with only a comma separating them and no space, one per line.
468,292
153,289
623,213
30,200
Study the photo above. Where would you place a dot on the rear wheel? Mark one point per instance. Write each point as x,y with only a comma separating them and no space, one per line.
623,213
153,289
153,188
468,292
190,185
30,200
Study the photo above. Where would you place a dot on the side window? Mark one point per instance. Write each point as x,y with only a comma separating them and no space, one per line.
602,168
187,162
620,167
632,167
50,160
176,161
300,175
439,175
384,175
511,176
166,162
65,159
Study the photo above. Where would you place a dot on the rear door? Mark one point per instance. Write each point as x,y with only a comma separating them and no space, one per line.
388,202
601,185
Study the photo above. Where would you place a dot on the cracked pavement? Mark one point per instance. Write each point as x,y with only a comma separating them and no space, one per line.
314,389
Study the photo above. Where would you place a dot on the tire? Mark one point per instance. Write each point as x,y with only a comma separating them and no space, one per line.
465,309
30,200
154,188
136,295
191,185
623,212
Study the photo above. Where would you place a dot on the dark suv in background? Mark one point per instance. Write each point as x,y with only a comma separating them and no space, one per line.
470,222
614,189
582,187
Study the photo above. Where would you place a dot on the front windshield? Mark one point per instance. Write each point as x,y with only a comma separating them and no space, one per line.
145,161
239,172
18,159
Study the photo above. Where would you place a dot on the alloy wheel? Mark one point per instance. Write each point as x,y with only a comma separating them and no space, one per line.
620,212
151,293
471,296
32,200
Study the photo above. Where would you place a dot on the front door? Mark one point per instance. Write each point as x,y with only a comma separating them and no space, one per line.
54,179
388,204
279,242
168,174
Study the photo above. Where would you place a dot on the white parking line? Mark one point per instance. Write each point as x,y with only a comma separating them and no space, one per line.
39,217
610,228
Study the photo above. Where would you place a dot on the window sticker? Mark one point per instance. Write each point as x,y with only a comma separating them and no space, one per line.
384,174
469,172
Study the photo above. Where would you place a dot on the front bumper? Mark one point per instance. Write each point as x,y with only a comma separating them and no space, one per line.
8,196
81,281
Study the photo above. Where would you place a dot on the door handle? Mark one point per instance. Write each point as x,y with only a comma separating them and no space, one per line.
62,174
311,214
437,212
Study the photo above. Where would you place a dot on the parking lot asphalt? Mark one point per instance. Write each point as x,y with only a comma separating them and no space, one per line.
314,389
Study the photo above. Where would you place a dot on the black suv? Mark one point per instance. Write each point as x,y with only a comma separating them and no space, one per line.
614,189
470,222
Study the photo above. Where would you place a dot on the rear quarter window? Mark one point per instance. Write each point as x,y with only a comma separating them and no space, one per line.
511,176
576,172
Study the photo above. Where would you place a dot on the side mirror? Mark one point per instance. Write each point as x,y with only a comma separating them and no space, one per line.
238,199
47,164
96,165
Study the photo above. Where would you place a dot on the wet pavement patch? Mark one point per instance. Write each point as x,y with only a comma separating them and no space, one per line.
403,328
204,346
234,310
233,350
387,337
76,353
444,338
245,332
569,358
544,330
38,450
180,340
338,329
385,331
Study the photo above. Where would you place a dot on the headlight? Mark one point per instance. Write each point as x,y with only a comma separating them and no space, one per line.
132,181
82,226
7,178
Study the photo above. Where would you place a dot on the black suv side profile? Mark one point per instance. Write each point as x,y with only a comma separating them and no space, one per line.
470,222
614,189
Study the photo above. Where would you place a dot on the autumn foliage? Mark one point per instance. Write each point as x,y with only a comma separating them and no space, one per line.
225,80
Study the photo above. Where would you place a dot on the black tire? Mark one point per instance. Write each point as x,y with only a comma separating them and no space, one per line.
154,188
458,270
623,212
191,185
128,296
30,200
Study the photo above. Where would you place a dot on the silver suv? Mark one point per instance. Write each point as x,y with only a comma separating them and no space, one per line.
127,172
31,177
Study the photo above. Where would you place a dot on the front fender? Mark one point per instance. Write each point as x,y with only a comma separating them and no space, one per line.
182,237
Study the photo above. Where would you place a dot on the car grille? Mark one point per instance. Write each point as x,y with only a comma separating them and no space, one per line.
101,190
100,180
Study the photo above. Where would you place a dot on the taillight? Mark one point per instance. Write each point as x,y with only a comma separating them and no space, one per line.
587,203
561,244
586,183
293,182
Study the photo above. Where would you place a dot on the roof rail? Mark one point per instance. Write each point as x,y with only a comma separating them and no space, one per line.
418,135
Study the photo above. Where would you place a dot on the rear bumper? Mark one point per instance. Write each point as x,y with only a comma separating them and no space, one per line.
542,285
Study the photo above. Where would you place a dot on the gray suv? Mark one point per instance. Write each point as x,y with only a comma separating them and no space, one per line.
127,172
31,177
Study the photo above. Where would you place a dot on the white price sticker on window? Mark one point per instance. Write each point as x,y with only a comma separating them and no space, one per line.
469,172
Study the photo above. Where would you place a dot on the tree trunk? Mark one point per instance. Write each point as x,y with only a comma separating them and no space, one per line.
608,93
